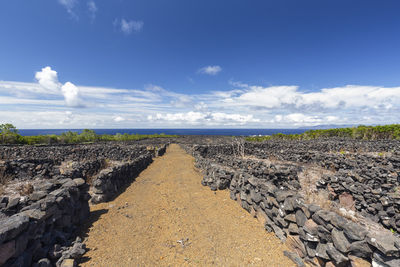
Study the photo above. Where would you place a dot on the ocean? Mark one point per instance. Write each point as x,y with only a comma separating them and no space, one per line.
229,132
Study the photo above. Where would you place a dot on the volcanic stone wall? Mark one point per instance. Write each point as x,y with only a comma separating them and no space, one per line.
39,228
110,181
46,196
272,193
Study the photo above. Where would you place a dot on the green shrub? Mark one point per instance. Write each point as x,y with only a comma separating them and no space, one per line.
362,132
9,135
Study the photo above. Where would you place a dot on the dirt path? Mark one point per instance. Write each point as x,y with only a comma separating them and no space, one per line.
166,204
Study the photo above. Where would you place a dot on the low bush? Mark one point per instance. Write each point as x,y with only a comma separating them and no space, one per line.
9,135
391,131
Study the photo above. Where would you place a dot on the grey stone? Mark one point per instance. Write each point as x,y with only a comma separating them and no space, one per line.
320,251
311,249
324,234
255,196
293,229
338,221
278,232
384,241
77,250
288,204
340,241
282,195
290,218
360,249
300,218
326,215
35,214
295,258
10,227
386,261
337,257
307,236
317,219
354,232
37,195
311,227
13,202
313,208
283,223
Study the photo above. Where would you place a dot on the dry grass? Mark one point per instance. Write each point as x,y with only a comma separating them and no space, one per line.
308,179
4,179
25,189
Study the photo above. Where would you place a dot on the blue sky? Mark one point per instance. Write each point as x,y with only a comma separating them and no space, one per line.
190,63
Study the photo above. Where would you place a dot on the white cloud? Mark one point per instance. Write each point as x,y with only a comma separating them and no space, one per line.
48,103
299,119
69,116
118,119
203,118
269,97
201,106
210,70
92,8
69,6
48,79
129,26
350,96
71,95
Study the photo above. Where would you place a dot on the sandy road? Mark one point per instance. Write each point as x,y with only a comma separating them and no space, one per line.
167,218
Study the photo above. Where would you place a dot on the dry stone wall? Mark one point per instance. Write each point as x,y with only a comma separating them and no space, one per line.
41,226
44,196
273,193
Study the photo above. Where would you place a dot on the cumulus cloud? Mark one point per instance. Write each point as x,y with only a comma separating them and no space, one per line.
48,79
118,119
210,70
92,8
129,26
71,95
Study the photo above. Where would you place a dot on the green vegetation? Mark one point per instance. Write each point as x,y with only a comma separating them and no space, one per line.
391,131
9,135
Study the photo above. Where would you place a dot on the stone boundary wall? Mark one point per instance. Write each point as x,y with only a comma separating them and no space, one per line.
78,152
375,198
110,181
372,180
318,236
38,221
40,233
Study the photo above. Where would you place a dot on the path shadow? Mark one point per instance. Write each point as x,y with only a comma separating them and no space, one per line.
83,231
133,175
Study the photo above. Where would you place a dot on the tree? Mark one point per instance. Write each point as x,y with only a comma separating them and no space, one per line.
88,135
9,133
